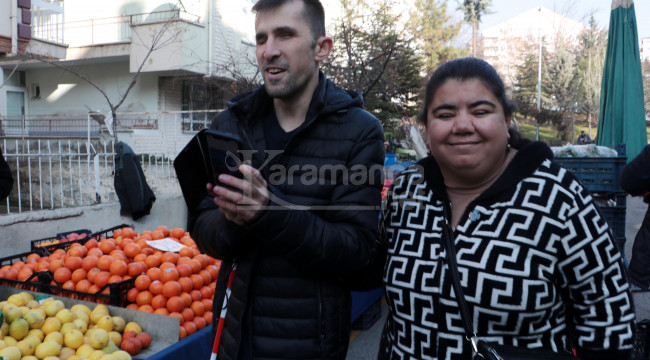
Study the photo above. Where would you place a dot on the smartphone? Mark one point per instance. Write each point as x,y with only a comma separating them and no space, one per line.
222,153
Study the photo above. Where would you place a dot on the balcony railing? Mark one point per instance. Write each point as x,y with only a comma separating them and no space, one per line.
47,20
118,28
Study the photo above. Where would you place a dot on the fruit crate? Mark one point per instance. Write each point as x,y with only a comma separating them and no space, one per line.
38,281
597,174
111,294
615,217
52,247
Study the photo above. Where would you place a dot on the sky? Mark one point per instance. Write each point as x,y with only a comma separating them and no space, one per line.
576,9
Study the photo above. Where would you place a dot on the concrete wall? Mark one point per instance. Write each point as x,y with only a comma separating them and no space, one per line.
18,230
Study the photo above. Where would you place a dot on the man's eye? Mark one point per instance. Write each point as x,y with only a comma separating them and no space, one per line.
444,115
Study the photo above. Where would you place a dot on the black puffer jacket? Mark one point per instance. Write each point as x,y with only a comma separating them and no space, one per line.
287,299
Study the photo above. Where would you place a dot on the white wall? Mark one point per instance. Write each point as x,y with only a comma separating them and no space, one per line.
76,10
5,18
19,230
62,92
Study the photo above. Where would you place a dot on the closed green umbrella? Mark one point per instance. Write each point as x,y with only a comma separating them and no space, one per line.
622,117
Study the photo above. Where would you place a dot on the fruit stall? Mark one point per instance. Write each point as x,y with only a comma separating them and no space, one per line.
145,295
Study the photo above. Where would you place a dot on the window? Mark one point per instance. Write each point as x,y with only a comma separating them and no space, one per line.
200,101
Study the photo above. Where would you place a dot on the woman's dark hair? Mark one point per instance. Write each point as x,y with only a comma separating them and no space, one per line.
465,69
314,13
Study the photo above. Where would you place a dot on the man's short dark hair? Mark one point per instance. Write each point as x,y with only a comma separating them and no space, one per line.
313,12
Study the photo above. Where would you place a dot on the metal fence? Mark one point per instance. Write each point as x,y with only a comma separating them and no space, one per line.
51,174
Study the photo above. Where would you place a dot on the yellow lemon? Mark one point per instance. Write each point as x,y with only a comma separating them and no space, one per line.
99,338
55,336
54,307
29,357
3,344
133,326
85,350
27,296
122,355
37,333
81,325
73,339
11,312
10,341
47,348
109,357
81,307
65,315
35,319
96,355
67,327
115,336
17,300
51,324
19,329
66,353
26,347
11,353
81,315
105,322
118,323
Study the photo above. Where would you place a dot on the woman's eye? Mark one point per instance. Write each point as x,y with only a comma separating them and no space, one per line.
444,115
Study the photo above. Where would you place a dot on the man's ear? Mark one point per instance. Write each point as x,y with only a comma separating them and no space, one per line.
323,48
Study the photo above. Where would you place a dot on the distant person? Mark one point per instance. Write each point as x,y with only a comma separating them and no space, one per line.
6,180
584,138
635,180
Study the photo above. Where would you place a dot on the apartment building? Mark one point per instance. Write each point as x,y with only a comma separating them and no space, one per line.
174,46
644,49
505,45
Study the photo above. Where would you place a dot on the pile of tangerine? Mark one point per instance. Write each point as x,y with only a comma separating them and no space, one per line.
166,283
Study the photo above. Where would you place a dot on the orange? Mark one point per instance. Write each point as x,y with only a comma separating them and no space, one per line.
69,285
33,257
143,298
195,265
170,256
198,308
132,250
140,258
24,273
161,311
169,274
146,308
42,266
156,287
92,243
11,274
62,275
147,250
175,304
89,262
134,269
101,279
190,327
163,229
77,251
83,285
203,259
205,274
79,275
118,267
184,270
132,294
128,232
157,235
207,292
188,314
118,254
159,301
177,233
171,288
178,316
213,270
182,333
208,317
196,295
154,273
104,262
106,246
114,279
55,264
186,284
200,322
186,251
92,273
187,241
142,282
207,304
153,261
72,262
95,252
187,298
197,280
93,289
132,306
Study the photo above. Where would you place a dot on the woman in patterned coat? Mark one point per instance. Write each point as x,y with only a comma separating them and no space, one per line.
538,265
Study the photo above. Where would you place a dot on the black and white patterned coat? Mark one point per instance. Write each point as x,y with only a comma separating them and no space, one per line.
536,258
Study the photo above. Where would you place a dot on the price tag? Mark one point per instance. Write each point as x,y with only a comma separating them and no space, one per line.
165,244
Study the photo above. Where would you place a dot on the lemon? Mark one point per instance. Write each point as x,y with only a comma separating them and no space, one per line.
51,324
47,348
4,328
55,336
96,355
33,339
81,307
11,353
66,353
99,338
115,336
35,319
81,315
122,355
85,350
108,357
118,323
26,347
17,300
81,325
37,333
105,322
133,326
29,357
73,339
19,329
27,296
11,312
32,304
54,307
10,341
65,315
3,344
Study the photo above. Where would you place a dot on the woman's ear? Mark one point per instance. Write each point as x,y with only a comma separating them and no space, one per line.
323,48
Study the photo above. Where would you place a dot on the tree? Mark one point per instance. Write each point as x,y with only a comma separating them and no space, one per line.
645,70
376,57
562,85
593,44
473,11
434,32
524,91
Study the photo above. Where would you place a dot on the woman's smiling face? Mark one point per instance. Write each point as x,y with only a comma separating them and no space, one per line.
467,130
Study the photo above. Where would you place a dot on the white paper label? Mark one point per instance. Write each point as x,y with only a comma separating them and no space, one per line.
165,244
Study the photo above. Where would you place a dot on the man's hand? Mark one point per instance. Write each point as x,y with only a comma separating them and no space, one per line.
245,205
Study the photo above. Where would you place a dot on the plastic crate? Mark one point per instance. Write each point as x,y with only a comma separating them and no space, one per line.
597,174
115,293
80,231
52,247
38,281
615,217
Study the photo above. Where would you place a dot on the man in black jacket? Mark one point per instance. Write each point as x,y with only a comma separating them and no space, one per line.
635,180
6,180
301,226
